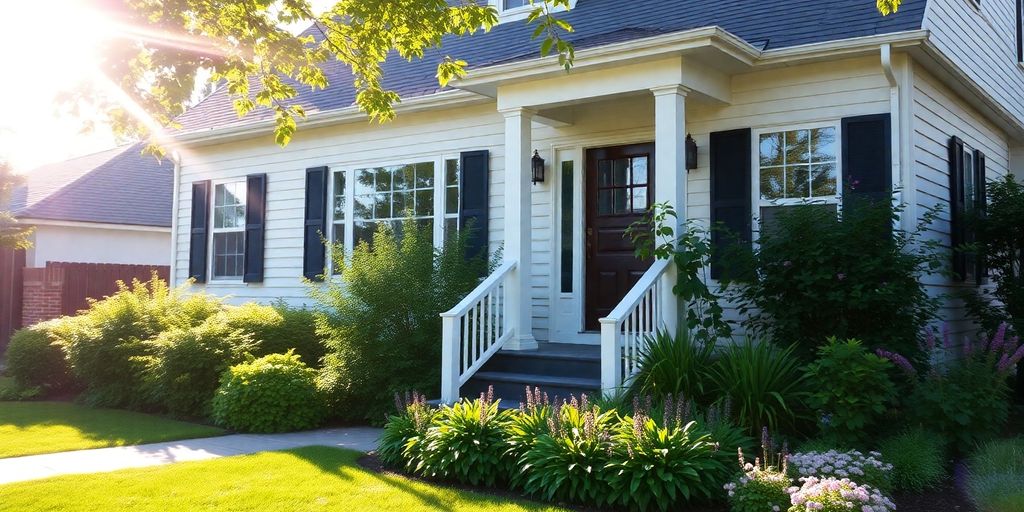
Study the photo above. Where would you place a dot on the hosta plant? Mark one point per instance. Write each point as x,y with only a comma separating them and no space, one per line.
661,465
526,427
837,495
467,443
865,468
763,485
404,435
570,462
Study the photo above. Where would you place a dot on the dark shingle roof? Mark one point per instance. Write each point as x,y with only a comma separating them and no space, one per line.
117,186
765,24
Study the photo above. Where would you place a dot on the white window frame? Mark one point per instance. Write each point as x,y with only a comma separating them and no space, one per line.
755,160
521,12
350,169
214,230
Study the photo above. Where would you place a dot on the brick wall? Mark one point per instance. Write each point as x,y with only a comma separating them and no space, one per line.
42,294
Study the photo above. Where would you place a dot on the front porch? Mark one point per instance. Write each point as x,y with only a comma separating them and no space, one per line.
606,301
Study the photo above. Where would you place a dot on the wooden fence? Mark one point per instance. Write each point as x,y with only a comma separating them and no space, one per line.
11,263
82,281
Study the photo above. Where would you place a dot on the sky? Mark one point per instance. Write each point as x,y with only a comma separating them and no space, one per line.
46,47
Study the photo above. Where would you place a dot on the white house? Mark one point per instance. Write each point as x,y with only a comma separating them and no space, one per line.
917,101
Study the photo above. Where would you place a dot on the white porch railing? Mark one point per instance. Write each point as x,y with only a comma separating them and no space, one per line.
474,330
638,315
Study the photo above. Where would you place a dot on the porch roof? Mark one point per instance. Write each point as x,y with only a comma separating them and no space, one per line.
598,23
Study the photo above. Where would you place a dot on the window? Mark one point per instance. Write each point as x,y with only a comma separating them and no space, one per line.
796,167
622,186
228,230
514,4
365,197
565,227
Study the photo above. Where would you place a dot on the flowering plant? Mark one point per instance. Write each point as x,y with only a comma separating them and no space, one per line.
961,391
762,487
832,495
869,468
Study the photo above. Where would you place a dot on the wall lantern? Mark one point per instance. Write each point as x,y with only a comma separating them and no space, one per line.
691,153
538,167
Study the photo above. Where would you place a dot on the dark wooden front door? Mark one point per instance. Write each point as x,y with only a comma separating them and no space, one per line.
620,188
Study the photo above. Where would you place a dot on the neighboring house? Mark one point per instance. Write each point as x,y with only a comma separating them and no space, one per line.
928,102
110,210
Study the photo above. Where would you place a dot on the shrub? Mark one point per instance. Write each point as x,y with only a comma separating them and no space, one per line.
106,345
918,459
837,495
662,464
678,366
867,469
36,359
277,329
404,435
467,443
716,422
805,287
275,393
962,396
187,363
851,389
764,384
762,487
385,307
571,461
995,481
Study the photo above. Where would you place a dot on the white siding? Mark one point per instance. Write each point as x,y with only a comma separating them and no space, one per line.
938,115
1017,162
81,244
784,96
983,42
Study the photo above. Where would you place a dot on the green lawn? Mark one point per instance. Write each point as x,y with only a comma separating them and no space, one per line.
312,478
28,428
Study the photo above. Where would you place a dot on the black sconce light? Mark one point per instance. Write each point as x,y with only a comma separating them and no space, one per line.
691,153
538,167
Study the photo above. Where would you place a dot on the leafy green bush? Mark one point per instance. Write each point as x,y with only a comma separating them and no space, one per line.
385,308
805,289
918,458
851,389
277,329
275,393
717,422
526,427
764,384
106,345
187,363
662,465
467,443
404,435
677,365
571,462
995,482
36,359
962,392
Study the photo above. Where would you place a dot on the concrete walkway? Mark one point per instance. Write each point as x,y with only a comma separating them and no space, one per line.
19,469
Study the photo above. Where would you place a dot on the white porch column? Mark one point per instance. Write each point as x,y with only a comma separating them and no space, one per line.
670,176
518,223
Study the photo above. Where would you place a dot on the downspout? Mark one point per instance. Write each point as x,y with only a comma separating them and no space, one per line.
895,128
176,160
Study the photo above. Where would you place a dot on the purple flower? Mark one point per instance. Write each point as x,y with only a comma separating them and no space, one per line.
1004,366
999,338
840,276
898,360
787,263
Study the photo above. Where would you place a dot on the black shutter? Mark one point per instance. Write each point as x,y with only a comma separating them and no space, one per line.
255,226
957,206
730,194
867,160
314,252
981,207
200,230
474,175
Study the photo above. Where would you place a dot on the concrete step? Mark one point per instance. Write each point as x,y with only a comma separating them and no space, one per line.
511,386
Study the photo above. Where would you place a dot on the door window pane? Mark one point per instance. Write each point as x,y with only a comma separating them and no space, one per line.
568,181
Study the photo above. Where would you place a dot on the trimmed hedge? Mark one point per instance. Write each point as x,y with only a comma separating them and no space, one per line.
275,393
36,359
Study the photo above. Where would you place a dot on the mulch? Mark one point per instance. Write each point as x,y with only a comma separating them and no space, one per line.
945,498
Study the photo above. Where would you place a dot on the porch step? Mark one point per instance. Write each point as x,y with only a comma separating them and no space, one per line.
512,386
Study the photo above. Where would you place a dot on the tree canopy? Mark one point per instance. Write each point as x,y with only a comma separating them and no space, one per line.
164,51
12,234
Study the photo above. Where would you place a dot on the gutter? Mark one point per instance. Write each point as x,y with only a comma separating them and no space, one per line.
895,128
